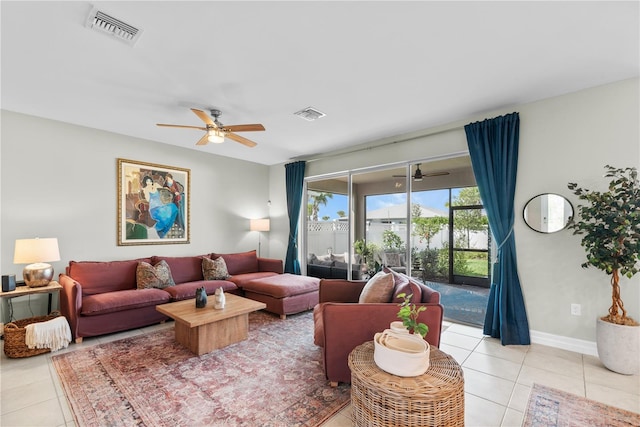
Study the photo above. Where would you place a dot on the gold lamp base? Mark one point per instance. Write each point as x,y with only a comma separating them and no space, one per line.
37,275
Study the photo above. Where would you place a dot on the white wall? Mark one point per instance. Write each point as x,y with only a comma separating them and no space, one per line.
562,139
60,180
70,172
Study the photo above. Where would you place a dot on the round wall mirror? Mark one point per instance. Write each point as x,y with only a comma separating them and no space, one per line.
548,213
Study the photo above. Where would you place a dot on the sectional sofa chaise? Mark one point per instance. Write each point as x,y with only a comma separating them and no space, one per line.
101,297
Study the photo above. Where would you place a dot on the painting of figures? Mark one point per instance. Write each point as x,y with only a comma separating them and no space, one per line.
153,203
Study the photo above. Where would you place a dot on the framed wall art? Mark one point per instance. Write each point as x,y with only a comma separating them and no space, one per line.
153,203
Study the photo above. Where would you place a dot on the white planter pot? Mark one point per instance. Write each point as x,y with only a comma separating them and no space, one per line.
618,347
401,353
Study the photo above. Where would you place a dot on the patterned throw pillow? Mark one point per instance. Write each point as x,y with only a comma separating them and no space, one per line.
214,269
378,289
153,276
392,260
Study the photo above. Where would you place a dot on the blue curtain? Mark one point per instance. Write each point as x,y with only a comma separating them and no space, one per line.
493,147
294,181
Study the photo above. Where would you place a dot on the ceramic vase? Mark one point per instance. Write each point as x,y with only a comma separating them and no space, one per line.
201,298
220,299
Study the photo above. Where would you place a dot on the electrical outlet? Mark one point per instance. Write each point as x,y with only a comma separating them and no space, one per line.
576,309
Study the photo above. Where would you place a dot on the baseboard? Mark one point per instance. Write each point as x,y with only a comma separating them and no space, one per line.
565,343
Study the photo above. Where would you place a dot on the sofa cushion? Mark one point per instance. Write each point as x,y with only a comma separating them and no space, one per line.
379,289
404,284
153,276
392,259
110,302
214,269
241,279
104,276
282,285
183,269
188,290
240,263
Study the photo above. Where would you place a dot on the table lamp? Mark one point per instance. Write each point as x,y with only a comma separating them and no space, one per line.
259,225
36,252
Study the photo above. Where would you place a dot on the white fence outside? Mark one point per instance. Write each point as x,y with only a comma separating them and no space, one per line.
333,236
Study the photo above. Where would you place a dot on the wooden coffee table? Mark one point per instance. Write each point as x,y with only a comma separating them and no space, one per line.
203,330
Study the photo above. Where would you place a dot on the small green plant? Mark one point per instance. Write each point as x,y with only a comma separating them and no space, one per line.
391,240
367,253
409,313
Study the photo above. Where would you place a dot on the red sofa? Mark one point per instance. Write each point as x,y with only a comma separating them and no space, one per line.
101,297
341,323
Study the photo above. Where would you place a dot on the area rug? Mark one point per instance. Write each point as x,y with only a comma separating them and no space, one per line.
550,407
273,379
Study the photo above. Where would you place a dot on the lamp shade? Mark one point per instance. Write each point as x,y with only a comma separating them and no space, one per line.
29,251
259,224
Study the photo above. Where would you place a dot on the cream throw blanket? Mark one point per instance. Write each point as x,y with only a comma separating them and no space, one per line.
54,334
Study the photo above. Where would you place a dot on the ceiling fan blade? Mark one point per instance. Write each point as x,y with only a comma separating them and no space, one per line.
427,175
204,140
243,128
181,126
204,117
241,139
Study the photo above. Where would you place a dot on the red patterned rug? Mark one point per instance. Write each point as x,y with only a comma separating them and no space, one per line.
550,407
274,378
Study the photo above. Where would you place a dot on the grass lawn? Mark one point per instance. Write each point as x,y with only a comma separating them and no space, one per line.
477,267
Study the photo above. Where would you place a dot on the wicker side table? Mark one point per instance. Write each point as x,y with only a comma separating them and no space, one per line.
435,398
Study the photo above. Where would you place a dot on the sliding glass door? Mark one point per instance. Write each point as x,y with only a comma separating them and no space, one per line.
469,256
412,218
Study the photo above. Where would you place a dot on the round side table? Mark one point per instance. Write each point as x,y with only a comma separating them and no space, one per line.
378,398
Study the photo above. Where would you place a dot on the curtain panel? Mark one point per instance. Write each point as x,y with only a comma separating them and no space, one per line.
294,177
493,148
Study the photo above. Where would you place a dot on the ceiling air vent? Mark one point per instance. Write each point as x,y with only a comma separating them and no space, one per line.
310,114
107,24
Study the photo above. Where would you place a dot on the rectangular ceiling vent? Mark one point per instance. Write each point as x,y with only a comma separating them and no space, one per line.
310,114
107,24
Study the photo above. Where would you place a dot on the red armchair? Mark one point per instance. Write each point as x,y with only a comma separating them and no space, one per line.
341,323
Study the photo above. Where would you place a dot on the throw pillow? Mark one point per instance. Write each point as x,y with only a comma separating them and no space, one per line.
403,284
153,276
392,259
214,269
240,263
378,289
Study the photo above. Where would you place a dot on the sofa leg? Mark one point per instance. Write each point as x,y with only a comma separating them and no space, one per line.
283,316
78,340
333,383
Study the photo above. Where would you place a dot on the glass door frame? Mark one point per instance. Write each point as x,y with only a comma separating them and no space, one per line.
406,165
456,279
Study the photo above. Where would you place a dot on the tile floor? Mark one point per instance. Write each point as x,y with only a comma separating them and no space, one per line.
497,381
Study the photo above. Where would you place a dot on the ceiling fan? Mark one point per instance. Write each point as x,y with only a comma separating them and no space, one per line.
418,175
216,131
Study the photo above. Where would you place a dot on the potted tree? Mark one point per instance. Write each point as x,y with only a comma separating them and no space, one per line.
366,251
609,223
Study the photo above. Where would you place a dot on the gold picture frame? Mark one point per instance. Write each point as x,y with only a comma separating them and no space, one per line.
153,203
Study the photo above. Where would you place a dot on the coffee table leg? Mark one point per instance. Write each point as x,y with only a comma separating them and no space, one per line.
212,336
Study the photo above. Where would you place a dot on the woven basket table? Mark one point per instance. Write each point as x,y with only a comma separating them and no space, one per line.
378,398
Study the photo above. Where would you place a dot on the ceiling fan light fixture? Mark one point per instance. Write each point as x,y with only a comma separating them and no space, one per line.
216,136
418,175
